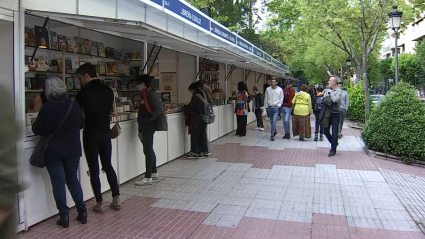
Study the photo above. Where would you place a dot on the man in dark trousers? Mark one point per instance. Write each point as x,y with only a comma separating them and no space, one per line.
96,100
288,96
151,117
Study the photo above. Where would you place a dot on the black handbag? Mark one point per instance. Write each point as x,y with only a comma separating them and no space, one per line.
38,157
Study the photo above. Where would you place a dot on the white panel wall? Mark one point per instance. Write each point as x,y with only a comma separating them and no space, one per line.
222,77
131,11
9,4
97,8
157,19
251,82
237,76
176,28
186,73
68,6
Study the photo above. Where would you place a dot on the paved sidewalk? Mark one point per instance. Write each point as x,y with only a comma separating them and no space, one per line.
254,188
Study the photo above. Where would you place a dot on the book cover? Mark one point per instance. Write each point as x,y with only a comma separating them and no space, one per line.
93,49
80,45
31,36
60,65
119,55
102,68
68,66
101,49
77,83
115,69
109,68
87,47
110,52
75,63
126,56
69,83
72,45
40,80
62,43
26,35
55,66
53,40
42,35
33,83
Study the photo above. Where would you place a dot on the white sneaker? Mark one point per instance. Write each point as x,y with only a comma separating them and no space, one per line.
257,128
144,181
261,129
155,175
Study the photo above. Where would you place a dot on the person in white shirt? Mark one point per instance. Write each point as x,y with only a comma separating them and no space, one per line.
273,100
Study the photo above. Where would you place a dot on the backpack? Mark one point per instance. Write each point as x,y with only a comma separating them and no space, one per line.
208,116
318,104
285,96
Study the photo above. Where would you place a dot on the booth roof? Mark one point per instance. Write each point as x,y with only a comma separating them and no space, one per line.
143,32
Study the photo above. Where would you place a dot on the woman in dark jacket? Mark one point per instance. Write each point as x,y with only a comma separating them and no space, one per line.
198,136
258,108
241,109
64,151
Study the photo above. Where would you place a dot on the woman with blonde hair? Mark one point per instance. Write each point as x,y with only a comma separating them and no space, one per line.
302,111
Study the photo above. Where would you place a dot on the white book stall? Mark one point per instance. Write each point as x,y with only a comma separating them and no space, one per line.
123,39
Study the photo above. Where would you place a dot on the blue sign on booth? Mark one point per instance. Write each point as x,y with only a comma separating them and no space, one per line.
223,33
257,52
188,13
267,58
159,2
245,45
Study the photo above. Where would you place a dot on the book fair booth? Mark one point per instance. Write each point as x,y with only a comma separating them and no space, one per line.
170,40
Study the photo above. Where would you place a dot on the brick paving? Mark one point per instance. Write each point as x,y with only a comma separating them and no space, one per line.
254,188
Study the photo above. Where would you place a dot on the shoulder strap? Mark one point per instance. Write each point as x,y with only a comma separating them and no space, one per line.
63,120
200,97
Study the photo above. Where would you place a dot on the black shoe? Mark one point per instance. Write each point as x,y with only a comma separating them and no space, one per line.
321,137
82,217
301,139
316,138
206,154
339,136
287,136
63,221
275,133
272,138
331,153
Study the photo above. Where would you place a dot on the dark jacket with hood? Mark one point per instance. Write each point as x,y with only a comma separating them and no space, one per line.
196,106
157,115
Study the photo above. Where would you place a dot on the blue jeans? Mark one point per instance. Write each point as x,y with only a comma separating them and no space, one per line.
286,114
272,113
64,171
332,127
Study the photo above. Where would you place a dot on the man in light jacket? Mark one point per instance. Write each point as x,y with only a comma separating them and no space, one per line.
345,104
273,100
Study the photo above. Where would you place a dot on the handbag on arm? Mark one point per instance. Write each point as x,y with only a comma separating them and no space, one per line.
116,129
38,157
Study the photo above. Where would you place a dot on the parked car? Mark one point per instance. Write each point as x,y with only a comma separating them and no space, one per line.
377,98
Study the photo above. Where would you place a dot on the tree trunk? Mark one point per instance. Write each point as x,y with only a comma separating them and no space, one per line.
365,81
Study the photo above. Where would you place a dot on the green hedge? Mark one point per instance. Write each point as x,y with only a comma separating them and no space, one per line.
356,110
397,125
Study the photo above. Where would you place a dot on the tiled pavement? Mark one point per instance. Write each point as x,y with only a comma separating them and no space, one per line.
254,188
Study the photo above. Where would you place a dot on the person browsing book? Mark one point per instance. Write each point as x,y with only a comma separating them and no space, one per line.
151,118
97,100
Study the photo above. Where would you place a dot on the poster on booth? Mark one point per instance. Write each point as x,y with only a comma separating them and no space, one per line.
168,83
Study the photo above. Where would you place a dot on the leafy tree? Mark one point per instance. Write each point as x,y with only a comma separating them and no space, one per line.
408,67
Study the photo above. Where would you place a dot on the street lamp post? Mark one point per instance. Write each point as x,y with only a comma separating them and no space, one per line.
395,20
348,68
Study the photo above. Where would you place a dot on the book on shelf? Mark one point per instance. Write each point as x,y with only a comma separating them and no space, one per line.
27,83
42,35
68,66
40,80
75,63
31,36
62,43
69,83
93,48
126,56
119,55
110,52
72,45
53,40
77,83
102,67
79,41
87,47
136,56
101,49
42,65
29,63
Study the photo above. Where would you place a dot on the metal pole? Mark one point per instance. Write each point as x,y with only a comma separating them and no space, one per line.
396,58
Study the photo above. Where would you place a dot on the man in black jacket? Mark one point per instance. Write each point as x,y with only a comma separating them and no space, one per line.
258,108
96,100
151,117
